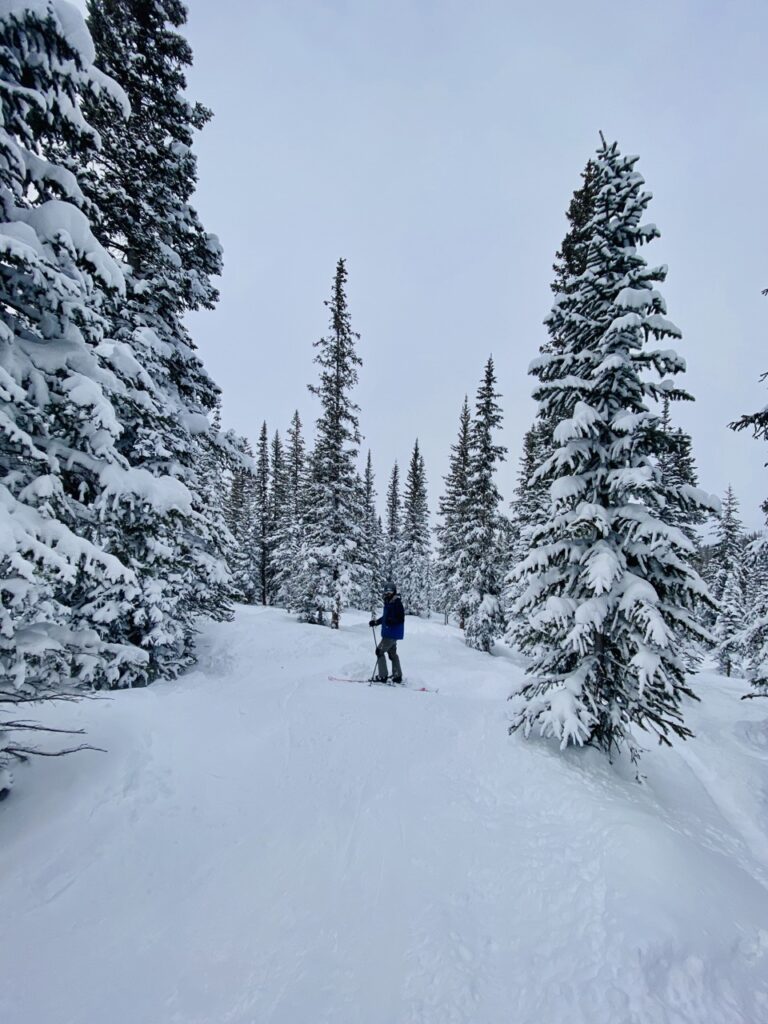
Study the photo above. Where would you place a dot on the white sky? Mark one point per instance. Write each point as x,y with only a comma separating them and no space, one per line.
436,145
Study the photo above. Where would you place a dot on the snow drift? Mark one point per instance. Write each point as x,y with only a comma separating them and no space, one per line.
263,846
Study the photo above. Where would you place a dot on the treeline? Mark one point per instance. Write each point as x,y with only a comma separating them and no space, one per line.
308,535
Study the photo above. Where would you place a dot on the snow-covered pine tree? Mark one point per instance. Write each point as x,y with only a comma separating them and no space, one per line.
416,571
678,469
139,187
279,501
393,529
372,543
260,540
729,624
610,586
288,539
214,468
755,566
728,584
484,572
571,259
754,634
730,543
240,520
330,570
530,503
59,454
448,568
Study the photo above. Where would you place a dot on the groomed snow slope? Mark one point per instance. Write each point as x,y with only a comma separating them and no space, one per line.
263,846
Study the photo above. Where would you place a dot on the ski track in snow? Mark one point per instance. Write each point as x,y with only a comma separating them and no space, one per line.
263,846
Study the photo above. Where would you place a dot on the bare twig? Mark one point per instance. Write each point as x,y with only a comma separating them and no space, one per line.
22,752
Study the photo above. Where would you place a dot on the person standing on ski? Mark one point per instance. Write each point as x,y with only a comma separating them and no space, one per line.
392,624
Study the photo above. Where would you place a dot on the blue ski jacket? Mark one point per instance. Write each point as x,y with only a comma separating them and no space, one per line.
393,620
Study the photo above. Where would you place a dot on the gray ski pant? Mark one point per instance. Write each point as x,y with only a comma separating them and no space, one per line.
389,647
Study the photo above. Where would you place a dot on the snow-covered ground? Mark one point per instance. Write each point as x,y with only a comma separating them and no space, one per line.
262,846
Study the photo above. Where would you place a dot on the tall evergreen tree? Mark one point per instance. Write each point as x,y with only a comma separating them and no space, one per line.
571,259
530,503
140,186
610,587
241,514
213,472
729,624
415,574
729,549
727,580
393,537
260,539
451,532
332,533
60,462
296,463
484,581
288,539
373,581
678,471
570,263
279,508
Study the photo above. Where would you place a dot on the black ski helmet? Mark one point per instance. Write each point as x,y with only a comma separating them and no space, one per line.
389,588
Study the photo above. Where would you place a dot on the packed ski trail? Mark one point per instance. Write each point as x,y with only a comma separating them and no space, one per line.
263,846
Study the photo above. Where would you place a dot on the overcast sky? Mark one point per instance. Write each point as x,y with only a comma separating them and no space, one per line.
435,145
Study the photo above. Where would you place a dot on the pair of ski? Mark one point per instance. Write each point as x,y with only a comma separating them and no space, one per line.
378,682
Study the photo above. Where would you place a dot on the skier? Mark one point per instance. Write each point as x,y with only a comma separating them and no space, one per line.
392,624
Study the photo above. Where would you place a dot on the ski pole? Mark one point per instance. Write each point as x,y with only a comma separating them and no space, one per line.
376,651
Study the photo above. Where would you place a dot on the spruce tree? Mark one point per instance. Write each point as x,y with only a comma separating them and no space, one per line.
60,462
260,539
571,259
415,573
140,184
59,380
393,529
213,471
727,578
241,513
330,569
288,539
729,624
678,470
530,503
729,548
484,573
609,583
372,543
296,464
279,501
453,508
